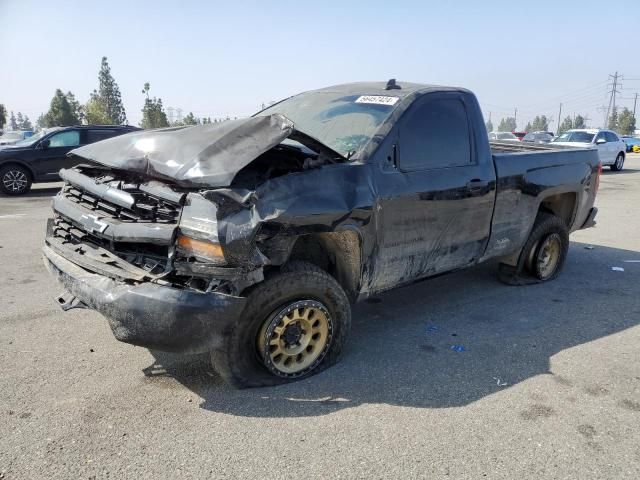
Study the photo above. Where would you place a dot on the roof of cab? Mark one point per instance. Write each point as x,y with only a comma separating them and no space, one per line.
380,88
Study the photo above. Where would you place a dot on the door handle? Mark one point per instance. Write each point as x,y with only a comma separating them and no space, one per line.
477,185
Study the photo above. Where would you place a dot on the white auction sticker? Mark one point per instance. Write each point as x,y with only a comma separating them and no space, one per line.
377,99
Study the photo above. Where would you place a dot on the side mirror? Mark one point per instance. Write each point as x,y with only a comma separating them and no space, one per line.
600,141
44,144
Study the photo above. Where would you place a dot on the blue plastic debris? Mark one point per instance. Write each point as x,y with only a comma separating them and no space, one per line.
458,348
432,328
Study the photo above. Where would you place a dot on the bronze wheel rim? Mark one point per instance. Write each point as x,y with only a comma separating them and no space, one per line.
548,255
295,340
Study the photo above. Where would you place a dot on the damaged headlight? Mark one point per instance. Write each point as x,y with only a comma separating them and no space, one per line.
198,237
200,249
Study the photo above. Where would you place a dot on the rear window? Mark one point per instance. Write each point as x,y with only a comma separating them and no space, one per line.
97,135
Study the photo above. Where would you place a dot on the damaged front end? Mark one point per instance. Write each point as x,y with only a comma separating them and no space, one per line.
160,232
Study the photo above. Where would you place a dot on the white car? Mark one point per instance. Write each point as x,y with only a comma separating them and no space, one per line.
611,148
503,137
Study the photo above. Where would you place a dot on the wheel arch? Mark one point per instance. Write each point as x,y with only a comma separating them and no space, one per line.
339,253
562,205
18,163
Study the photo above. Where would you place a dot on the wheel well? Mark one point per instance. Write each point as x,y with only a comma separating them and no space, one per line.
18,164
338,253
561,205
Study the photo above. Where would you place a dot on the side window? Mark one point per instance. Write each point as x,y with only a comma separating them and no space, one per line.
611,137
97,135
600,136
435,134
70,138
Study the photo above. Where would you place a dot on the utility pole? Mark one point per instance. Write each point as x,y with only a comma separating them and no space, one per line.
559,115
612,98
515,117
635,100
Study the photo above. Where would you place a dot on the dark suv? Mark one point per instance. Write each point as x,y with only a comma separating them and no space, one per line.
39,158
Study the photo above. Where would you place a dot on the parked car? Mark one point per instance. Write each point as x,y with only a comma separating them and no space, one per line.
610,147
537,137
248,239
630,142
10,138
503,137
40,157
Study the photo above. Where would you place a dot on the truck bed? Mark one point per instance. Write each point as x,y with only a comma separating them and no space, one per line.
527,173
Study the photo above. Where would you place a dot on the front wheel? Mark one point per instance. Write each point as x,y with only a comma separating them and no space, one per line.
619,163
15,180
295,325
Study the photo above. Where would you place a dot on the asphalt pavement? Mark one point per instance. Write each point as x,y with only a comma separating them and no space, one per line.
460,376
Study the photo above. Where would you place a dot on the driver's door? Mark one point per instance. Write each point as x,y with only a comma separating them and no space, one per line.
53,152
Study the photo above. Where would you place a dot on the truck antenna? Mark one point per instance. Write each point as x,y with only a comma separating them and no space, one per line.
392,85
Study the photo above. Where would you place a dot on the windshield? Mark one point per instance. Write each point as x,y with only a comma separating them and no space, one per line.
343,123
506,136
11,136
34,138
576,137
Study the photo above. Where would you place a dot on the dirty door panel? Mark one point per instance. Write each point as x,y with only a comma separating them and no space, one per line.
436,202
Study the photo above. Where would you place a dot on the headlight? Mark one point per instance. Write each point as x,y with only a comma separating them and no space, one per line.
200,249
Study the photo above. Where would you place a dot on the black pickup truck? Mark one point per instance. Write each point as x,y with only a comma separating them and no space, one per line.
250,238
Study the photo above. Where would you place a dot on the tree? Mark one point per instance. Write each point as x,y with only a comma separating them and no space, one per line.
23,122
579,122
507,124
109,109
567,124
626,122
40,122
61,113
3,116
12,122
153,115
613,119
528,128
189,119
96,111
489,125
76,108
540,124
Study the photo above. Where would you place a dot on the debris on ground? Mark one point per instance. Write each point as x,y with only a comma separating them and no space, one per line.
588,247
458,348
499,382
617,269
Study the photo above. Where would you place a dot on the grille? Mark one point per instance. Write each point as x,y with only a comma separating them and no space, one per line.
145,209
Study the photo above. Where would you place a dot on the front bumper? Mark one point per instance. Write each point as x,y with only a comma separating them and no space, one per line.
148,314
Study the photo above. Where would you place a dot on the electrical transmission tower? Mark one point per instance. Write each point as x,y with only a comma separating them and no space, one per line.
612,99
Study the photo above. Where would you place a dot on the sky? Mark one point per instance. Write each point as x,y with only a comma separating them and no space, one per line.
226,58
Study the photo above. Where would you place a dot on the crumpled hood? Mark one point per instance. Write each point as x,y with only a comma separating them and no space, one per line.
199,156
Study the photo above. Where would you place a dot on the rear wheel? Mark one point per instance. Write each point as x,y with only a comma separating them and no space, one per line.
15,180
619,163
543,254
295,325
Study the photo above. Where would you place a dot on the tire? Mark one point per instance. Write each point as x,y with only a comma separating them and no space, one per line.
548,238
15,180
245,358
619,163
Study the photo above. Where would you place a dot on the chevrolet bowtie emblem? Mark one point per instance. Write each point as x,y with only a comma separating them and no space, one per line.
93,224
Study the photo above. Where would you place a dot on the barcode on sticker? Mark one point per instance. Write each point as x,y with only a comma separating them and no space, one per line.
377,99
